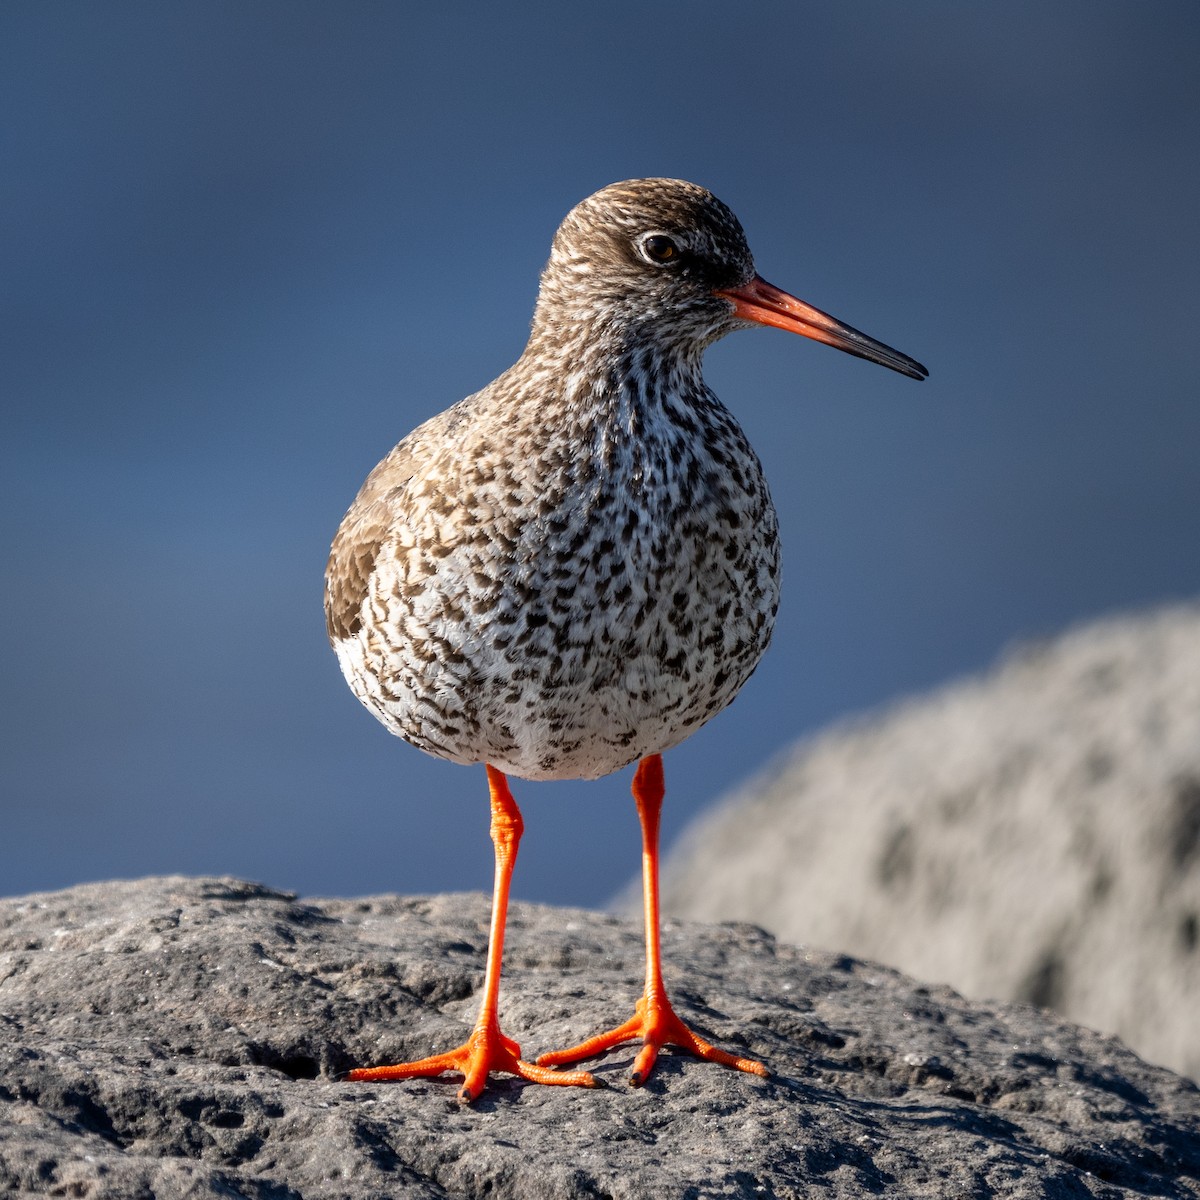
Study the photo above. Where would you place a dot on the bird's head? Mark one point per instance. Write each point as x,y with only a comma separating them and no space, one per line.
663,261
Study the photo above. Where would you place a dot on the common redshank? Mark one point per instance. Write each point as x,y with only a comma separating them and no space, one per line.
573,569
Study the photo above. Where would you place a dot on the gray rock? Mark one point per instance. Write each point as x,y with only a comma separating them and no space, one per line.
1031,835
182,1037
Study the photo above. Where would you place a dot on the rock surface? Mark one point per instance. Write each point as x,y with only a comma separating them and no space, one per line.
181,1038
1030,835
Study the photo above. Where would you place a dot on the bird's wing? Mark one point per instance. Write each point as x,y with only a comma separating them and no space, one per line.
368,525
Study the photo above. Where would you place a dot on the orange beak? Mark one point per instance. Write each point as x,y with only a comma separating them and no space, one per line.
766,304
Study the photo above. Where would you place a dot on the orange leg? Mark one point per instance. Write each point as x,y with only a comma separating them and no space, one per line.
487,1049
654,1022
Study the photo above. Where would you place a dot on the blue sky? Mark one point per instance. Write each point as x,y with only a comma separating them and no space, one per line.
247,247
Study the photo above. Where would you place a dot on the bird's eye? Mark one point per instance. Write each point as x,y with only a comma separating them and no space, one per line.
659,248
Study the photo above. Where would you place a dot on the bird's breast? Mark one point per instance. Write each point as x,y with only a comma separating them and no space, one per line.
563,611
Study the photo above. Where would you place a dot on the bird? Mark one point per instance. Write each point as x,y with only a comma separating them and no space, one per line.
573,569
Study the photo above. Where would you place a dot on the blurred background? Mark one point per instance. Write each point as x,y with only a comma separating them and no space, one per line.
247,247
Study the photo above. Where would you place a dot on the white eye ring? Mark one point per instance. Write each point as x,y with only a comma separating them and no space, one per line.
659,248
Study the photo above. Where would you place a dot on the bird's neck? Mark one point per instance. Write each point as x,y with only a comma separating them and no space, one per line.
607,364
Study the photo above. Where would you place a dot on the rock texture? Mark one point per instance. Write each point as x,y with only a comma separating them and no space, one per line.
1030,835
182,1038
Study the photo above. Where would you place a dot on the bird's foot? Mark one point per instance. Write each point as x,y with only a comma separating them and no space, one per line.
487,1049
655,1025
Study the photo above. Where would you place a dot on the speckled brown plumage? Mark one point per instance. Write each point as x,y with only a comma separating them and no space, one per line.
576,567
579,565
